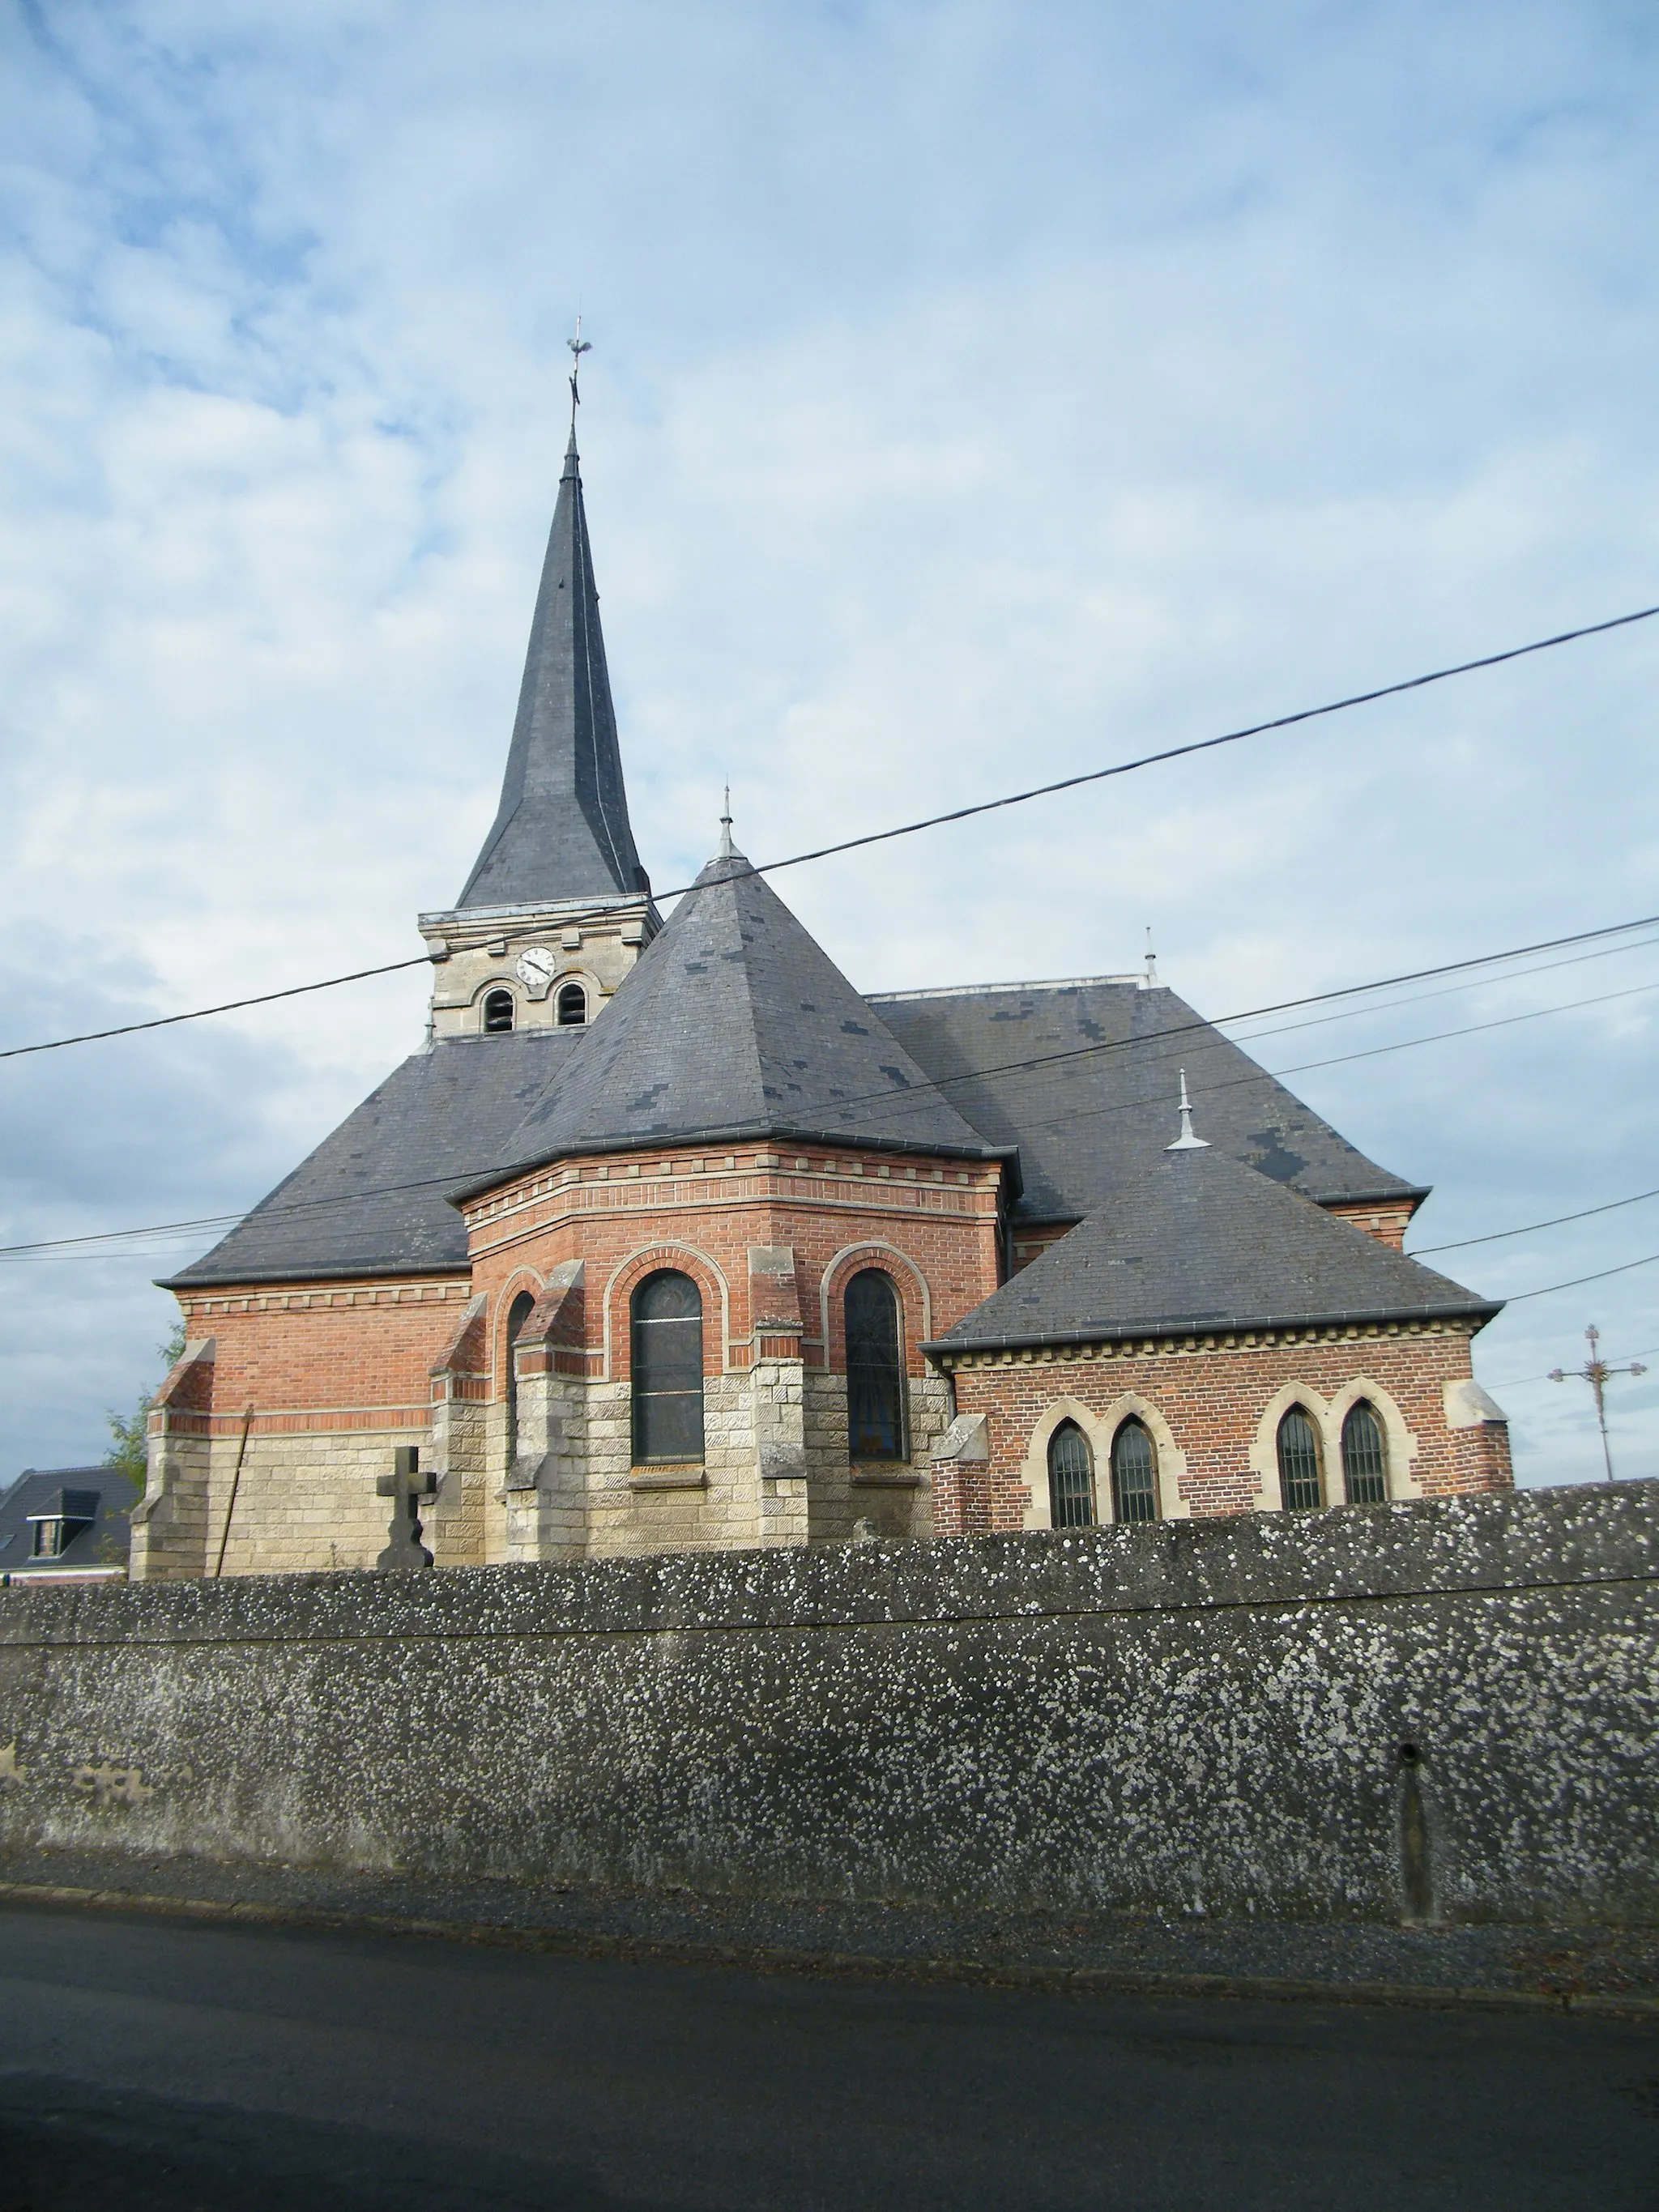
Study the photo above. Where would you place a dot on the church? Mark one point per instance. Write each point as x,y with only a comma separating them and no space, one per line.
668,1238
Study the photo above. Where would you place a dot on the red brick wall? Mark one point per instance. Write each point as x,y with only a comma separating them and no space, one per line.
326,1356
1214,1401
932,1223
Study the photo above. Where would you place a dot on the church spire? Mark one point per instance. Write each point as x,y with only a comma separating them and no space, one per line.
561,830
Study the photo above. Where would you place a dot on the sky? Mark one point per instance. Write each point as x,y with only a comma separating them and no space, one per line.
980,392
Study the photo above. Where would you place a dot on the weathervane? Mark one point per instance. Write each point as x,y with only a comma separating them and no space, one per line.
1595,1371
578,345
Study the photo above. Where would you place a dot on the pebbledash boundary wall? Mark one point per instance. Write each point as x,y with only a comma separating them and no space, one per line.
1445,1709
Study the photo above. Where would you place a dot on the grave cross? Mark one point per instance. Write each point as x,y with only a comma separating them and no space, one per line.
407,1485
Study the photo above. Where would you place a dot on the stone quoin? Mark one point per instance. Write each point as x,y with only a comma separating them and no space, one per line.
668,1239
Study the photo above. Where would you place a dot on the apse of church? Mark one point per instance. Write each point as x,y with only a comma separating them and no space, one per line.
668,1238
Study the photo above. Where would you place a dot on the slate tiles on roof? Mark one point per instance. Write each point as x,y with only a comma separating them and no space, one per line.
735,1023
1096,1098
370,1200
1198,1241
562,831
38,1492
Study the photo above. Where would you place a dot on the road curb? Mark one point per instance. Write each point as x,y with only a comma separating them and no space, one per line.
1081,1981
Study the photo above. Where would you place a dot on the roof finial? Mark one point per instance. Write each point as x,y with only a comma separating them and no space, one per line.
728,850
1151,983
578,345
1186,1142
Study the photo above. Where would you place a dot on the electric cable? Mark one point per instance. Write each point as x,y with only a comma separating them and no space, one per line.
1497,1235
911,829
450,1179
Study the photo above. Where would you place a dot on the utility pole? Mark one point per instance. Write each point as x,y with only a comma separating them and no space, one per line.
1595,1371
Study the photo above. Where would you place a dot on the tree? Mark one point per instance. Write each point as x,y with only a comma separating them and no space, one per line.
129,1451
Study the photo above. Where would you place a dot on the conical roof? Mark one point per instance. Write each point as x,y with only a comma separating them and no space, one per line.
1198,1241
735,1024
562,831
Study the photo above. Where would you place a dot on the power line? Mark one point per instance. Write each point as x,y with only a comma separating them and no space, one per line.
1497,1235
1518,1297
1257,1075
229,1007
1209,744
911,829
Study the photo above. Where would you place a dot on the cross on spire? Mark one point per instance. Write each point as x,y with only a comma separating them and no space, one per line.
1597,1373
578,345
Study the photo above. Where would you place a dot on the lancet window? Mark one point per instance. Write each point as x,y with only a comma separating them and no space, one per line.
518,1314
1134,1473
666,1333
1071,1479
1300,1485
1364,1457
875,1368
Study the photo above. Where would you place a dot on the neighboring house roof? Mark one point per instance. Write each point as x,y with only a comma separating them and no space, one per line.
1094,1066
370,1200
98,1497
562,831
735,1024
1196,1240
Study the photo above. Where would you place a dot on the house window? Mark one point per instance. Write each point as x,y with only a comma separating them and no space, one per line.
1071,1479
1298,1462
1135,1474
518,1314
498,1012
667,1340
1364,1458
48,1540
875,1369
572,1007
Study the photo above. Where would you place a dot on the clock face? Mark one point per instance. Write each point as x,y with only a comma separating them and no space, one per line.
535,967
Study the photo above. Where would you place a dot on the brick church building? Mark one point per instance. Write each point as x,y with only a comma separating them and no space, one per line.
667,1237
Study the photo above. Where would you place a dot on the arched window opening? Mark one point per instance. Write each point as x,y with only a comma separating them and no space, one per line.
875,1368
572,1007
498,1012
517,1315
667,1341
1364,1457
1135,1474
1298,1462
1071,1479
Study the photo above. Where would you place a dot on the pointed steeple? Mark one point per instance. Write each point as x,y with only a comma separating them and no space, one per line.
562,831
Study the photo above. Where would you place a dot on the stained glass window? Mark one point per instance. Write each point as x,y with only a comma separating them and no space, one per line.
875,1369
1298,1462
1071,1479
1135,1474
518,1314
667,1342
1365,1459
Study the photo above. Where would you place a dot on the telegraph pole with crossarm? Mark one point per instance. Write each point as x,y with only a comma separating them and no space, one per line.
1595,1371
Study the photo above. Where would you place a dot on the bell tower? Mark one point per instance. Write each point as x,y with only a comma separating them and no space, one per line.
557,908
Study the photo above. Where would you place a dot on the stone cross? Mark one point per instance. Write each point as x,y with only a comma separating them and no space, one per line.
407,1485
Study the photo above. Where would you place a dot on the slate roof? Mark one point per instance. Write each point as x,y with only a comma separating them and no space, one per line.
1198,1241
1097,1100
562,831
348,1209
736,1024
40,1491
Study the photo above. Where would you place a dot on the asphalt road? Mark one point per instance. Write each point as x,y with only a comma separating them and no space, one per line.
149,2062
